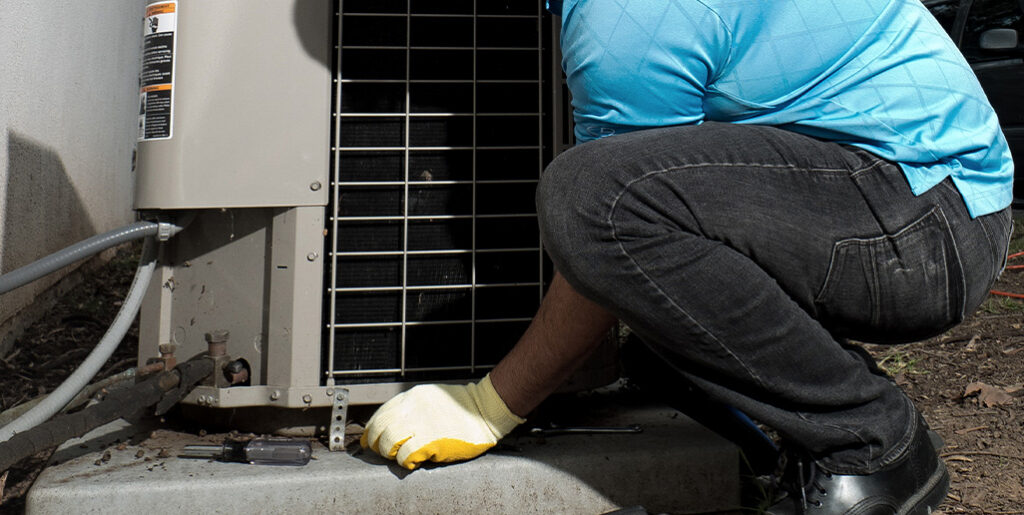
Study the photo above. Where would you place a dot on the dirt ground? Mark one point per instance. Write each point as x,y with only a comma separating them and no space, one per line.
969,382
53,347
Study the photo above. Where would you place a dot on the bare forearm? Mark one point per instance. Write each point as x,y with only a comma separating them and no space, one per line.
566,328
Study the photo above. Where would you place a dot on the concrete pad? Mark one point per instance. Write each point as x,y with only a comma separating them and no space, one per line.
673,466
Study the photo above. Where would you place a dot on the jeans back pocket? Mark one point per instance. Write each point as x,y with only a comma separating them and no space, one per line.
897,287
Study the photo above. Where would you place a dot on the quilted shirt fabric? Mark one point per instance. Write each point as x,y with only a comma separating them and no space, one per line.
881,75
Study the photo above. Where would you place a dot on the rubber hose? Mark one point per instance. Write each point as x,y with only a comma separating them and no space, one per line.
77,252
80,378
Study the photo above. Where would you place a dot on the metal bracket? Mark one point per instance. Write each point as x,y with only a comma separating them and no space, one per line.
339,419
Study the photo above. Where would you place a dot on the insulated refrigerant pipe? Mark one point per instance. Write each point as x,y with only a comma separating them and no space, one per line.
84,249
118,404
64,393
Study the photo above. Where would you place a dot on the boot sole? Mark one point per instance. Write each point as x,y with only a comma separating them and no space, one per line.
931,495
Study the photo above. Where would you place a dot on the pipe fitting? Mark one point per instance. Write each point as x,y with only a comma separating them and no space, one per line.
217,342
167,355
217,352
237,372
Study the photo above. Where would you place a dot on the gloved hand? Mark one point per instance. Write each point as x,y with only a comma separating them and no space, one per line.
439,422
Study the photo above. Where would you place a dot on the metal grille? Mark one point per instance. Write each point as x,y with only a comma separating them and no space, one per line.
439,130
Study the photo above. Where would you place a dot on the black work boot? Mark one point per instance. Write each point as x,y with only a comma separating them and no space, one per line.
916,483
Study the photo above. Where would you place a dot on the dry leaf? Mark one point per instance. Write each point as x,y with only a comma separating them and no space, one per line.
988,396
969,429
973,344
957,457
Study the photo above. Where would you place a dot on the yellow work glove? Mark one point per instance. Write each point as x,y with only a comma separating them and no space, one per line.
439,422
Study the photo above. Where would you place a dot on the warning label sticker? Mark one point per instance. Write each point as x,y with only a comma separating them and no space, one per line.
156,82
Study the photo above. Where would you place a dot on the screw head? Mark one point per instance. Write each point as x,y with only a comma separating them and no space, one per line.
315,186
307,398
312,256
275,395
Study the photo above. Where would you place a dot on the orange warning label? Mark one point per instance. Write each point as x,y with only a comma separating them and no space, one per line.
156,80
157,87
156,9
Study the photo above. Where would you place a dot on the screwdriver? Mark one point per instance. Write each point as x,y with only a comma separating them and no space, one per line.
258,451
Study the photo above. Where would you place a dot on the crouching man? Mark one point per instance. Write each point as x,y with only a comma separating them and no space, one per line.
756,182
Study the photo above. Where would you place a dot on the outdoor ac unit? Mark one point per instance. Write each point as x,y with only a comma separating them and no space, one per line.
363,173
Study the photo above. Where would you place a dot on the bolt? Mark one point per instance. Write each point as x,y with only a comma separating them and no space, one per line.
330,392
307,398
312,256
275,395
315,186
217,341
341,396
167,348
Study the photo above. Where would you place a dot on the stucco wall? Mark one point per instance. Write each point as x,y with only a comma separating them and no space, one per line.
68,95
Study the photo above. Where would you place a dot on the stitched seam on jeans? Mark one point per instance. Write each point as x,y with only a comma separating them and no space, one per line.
844,171
611,223
903,444
991,244
878,163
889,457
871,448
657,288
959,264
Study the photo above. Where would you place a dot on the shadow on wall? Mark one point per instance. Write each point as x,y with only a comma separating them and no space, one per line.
308,16
43,212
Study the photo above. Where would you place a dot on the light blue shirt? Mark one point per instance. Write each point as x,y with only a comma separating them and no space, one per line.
881,75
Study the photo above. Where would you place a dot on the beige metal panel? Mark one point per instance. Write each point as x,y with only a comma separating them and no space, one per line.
257,273
212,278
155,314
296,275
251,108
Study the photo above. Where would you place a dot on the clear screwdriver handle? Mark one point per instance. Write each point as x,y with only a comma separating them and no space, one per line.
278,451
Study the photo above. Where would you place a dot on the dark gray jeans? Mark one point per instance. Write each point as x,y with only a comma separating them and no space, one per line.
745,255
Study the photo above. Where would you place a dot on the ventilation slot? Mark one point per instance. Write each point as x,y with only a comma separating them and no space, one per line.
439,140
